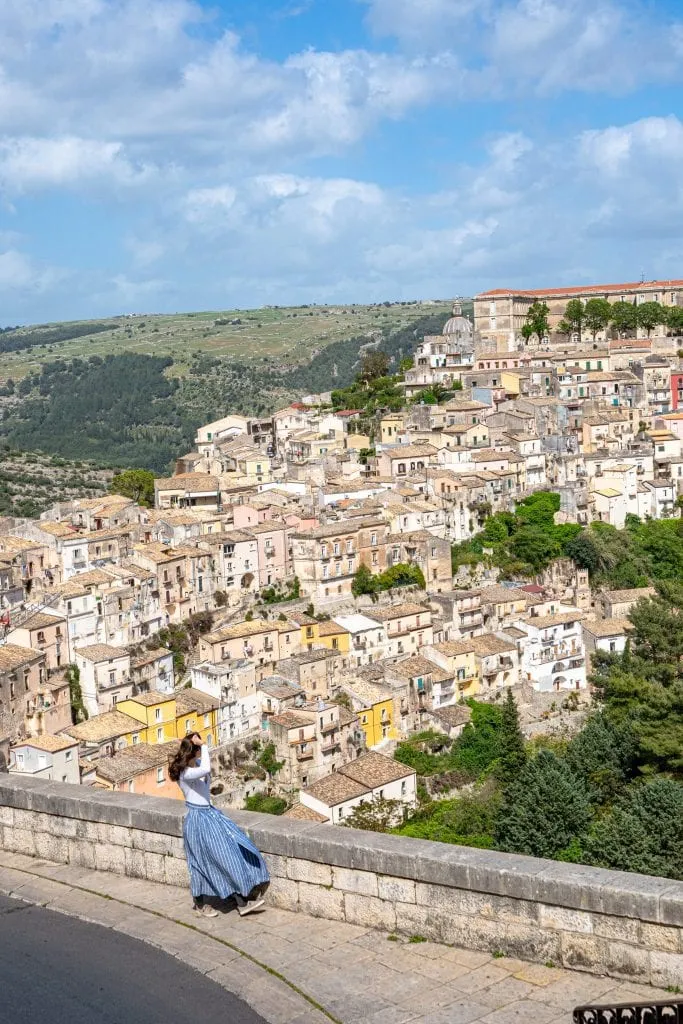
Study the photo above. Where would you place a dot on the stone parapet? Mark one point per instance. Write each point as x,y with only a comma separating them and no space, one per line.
605,922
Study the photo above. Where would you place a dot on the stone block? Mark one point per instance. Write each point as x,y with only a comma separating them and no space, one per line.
671,906
54,848
416,919
666,968
504,874
283,893
574,886
585,952
621,929
25,819
159,815
660,936
65,827
88,830
19,840
369,912
154,842
363,882
628,962
110,858
528,942
566,920
277,865
135,863
309,871
155,867
82,853
320,902
116,835
175,872
401,890
6,815
635,896
475,932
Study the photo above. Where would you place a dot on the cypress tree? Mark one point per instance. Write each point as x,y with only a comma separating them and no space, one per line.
512,751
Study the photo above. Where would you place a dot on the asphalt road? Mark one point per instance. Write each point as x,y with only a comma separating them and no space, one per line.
58,970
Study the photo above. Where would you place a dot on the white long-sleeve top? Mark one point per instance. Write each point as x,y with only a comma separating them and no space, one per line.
196,782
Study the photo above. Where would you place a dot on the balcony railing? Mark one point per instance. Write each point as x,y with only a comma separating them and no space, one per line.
668,1012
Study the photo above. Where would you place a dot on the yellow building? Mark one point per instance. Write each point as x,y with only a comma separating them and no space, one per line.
197,712
374,706
156,712
391,427
323,634
458,659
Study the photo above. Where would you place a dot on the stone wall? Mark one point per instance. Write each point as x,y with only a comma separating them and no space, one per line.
605,922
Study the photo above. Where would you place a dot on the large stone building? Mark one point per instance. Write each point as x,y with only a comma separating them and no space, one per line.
500,314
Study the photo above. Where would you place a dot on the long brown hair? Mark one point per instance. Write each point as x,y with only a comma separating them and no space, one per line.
187,752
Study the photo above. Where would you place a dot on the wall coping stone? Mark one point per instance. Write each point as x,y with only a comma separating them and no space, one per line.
579,887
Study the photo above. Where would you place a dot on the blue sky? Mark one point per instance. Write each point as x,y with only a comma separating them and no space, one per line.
161,155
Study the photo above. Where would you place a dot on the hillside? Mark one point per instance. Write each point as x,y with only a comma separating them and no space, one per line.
138,409
286,335
30,482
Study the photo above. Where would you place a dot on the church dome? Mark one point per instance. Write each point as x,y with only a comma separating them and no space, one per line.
457,324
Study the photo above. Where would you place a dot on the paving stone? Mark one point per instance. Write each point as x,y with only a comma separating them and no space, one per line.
427,1000
467,957
510,990
573,989
354,1009
460,1012
481,977
520,1012
391,1015
537,974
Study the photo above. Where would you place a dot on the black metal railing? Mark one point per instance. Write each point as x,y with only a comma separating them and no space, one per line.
667,1012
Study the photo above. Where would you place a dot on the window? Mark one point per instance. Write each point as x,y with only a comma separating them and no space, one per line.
373,540
188,724
114,698
157,714
160,776
207,721
136,738
404,788
69,755
336,547
160,735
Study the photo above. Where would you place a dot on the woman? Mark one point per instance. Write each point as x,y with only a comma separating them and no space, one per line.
223,862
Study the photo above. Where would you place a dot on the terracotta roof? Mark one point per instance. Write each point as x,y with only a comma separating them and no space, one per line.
237,630
373,769
152,697
453,715
190,699
300,812
336,789
52,744
42,619
606,627
107,726
290,720
621,596
12,656
581,289
398,611
451,648
489,643
131,761
149,657
101,652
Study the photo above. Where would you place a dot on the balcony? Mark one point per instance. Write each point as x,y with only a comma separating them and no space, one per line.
330,747
304,755
670,1011
330,728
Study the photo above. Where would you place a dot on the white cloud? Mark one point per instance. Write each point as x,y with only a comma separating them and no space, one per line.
18,273
31,163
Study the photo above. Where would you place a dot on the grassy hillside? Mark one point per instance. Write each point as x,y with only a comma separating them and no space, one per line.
285,334
31,482
135,397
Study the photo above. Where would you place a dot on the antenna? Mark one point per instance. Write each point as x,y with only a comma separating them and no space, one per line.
642,277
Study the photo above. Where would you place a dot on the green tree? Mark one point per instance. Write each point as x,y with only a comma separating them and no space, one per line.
657,626
564,327
79,712
376,815
269,762
265,804
363,581
643,832
574,316
674,320
401,575
623,317
137,484
534,546
603,754
544,810
597,314
584,551
649,315
512,757
536,322
374,364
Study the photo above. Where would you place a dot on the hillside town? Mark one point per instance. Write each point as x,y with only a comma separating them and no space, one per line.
291,593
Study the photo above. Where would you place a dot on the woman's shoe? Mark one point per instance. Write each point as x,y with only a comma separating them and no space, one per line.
205,911
244,908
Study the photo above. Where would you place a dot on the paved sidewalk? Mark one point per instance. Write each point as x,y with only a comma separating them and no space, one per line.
295,969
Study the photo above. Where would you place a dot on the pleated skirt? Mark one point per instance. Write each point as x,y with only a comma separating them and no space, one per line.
221,859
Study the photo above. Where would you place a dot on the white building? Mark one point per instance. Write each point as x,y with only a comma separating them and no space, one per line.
607,635
47,757
553,658
371,776
368,637
104,676
233,684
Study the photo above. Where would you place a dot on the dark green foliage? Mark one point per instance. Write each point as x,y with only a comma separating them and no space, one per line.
118,411
363,581
603,755
643,832
511,751
544,810
17,342
376,815
268,761
469,757
79,712
401,575
137,484
468,820
536,323
265,804
290,591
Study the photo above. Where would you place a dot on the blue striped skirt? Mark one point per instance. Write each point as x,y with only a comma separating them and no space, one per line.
221,859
